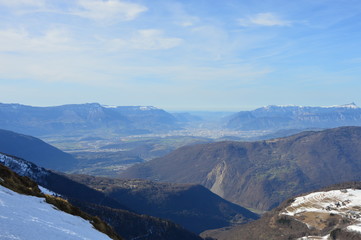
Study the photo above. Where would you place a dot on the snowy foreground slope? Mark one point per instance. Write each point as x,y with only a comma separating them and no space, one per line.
28,217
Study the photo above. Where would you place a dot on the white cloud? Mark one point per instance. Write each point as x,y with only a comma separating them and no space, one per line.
263,19
19,40
109,10
146,39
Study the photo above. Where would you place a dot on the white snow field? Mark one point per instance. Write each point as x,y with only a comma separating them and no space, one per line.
345,203
24,217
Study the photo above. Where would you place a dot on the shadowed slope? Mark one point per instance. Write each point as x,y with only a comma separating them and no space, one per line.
35,150
192,206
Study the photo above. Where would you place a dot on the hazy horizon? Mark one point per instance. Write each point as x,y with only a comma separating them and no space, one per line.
182,110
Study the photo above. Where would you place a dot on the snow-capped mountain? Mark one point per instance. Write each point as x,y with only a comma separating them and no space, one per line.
30,217
296,117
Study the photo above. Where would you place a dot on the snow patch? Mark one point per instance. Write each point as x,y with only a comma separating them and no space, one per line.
315,237
109,106
350,105
147,108
47,191
22,167
355,228
340,202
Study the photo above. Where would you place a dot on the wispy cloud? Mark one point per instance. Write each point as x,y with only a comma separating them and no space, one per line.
20,41
264,19
146,39
109,10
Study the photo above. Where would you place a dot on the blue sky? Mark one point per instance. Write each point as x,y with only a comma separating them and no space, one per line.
181,55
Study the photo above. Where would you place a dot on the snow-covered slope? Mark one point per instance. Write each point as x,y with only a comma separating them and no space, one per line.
28,217
22,167
318,209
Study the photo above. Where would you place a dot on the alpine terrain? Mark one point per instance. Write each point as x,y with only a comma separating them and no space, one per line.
330,213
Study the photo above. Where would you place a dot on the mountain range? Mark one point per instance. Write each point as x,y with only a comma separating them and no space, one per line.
76,118
261,174
295,117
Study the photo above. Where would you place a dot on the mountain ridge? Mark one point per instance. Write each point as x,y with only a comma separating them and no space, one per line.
261,174
35,150
275,117
75,118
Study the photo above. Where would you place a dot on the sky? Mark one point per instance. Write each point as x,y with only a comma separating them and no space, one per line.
181,55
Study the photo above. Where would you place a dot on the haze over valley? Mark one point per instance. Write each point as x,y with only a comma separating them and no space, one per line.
107,140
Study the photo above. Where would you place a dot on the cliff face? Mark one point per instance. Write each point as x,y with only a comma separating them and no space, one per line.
262,174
